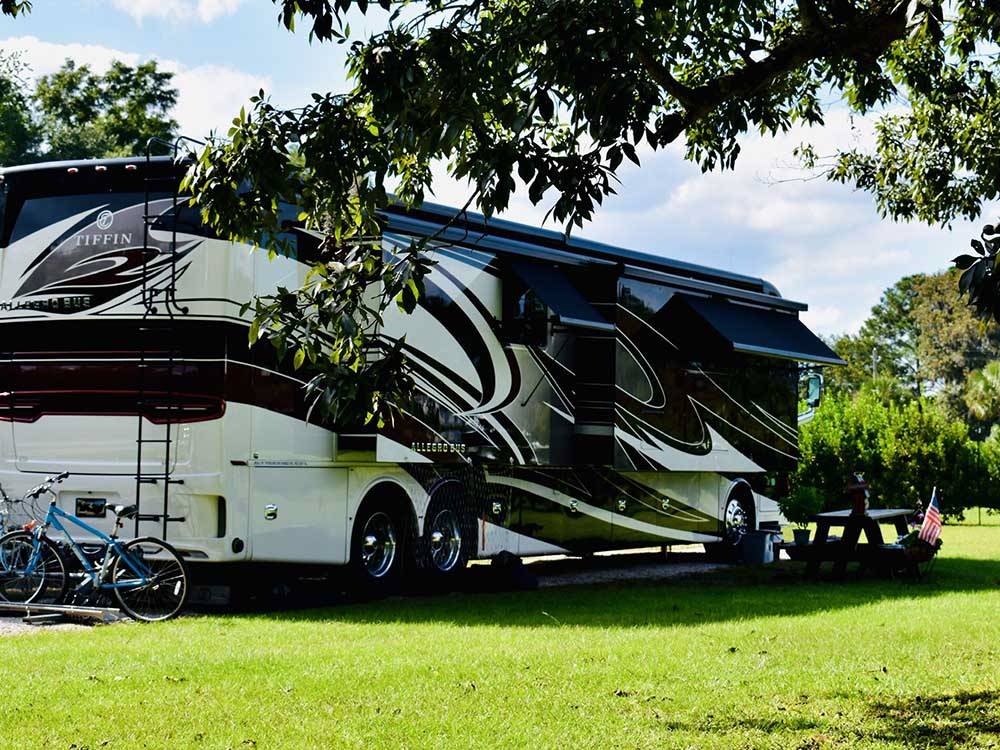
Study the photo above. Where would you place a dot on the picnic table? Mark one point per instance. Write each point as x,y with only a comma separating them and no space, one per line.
849,549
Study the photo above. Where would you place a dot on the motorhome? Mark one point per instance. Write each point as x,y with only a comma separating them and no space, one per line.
571,396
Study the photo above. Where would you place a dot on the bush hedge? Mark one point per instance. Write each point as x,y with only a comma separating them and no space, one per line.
904,450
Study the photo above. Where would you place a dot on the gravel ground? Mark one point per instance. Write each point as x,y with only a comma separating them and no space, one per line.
651,572
649,564
14,626
12,622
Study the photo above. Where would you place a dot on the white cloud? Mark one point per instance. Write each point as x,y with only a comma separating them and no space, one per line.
177,10
46,57
826,318
209,96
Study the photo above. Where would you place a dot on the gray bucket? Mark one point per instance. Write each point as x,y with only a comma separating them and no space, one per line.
758,548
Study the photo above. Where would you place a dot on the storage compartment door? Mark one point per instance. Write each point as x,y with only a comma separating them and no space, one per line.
298,514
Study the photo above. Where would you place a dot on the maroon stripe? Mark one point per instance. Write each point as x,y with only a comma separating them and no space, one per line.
97,367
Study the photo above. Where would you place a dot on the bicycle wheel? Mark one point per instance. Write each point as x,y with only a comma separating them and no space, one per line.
150,580
29,577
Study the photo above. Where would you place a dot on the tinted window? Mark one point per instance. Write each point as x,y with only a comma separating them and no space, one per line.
525,315
49,193
37,213
642,298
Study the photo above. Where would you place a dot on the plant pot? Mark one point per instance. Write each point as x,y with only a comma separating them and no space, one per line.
801,536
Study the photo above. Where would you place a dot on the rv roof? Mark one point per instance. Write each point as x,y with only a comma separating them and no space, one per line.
548,238
81,163
500,228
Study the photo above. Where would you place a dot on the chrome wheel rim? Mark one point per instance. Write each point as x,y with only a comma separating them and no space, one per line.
736,521
378,544
445,539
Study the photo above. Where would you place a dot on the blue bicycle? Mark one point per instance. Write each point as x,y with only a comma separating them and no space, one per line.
146,575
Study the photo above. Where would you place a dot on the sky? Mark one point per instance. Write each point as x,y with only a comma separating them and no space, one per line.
818,242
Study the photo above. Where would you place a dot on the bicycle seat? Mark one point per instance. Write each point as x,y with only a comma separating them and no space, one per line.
126,511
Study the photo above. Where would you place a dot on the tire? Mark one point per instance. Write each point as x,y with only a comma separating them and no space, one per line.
47,582
737,522
166,593
448,541
378,549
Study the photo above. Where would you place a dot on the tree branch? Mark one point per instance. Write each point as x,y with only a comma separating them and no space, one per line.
867,36
661,74
810,16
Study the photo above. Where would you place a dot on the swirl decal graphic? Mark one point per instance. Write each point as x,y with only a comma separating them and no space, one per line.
105,259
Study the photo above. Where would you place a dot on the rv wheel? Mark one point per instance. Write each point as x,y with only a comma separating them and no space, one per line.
448,541
737,521
378,544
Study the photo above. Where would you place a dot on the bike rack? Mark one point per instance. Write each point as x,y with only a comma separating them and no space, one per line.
43,612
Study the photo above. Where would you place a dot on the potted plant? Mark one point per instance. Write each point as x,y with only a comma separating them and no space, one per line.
799,506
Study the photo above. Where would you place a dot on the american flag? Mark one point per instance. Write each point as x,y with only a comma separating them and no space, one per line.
931,529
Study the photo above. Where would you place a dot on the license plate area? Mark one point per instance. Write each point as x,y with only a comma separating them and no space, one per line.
91,507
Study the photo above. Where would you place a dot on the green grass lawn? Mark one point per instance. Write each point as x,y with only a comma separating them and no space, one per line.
751,659
980,517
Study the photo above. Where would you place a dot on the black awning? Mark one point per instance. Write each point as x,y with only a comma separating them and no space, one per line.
748,329
556,291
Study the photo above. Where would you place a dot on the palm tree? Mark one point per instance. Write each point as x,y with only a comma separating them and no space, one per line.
982,392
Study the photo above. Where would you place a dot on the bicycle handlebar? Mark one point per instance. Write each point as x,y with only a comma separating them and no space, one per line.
35,492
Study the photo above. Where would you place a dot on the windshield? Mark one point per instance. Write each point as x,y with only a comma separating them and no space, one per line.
35,214
49,193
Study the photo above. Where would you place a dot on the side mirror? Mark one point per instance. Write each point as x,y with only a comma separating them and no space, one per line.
814,390
810,394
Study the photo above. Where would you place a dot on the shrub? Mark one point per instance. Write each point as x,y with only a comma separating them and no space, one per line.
903,450
801,504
